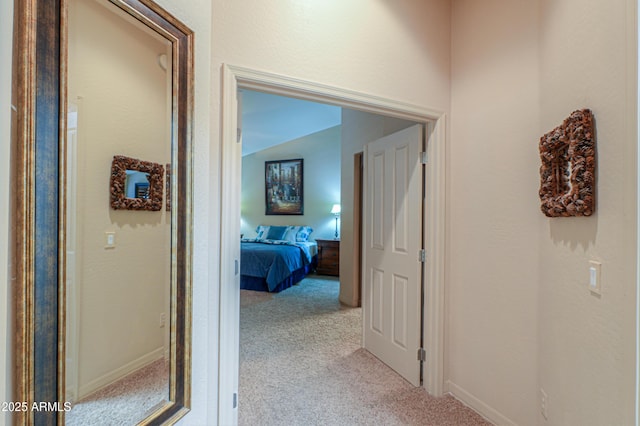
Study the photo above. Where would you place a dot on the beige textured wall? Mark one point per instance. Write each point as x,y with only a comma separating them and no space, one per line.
520,315
321,154
586,351
121,96
494,218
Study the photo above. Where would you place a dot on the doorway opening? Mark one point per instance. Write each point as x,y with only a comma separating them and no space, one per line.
235,78
280,135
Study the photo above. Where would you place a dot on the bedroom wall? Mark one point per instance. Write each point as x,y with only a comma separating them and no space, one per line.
358,128
520,316
122,290
321,154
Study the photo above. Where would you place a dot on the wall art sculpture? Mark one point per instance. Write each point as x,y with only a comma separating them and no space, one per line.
568,170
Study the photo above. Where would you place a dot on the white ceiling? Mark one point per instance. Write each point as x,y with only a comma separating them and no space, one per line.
269,120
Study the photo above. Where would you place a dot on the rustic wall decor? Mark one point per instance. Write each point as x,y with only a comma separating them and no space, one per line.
119,199
568,170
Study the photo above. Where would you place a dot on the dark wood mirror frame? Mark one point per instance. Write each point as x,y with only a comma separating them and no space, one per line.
118,197
39,233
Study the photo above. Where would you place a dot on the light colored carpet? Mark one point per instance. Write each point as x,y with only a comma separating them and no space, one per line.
301,363
125,402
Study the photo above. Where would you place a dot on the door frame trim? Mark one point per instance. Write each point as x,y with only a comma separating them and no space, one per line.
234,78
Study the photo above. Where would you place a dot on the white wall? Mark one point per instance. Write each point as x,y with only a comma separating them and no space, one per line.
520,316
358,128
6,333
321,154
121,97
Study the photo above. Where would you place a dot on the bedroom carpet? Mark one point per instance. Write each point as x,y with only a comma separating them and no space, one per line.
301,363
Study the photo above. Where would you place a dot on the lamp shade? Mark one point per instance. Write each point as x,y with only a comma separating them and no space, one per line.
335,209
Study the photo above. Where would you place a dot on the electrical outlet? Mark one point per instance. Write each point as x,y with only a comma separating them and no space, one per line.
163,320
544,404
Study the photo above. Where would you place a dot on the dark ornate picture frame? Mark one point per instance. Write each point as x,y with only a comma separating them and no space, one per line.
119,200
568,170
284,184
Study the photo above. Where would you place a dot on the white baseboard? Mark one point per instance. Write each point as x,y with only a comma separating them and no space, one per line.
120,372
490,413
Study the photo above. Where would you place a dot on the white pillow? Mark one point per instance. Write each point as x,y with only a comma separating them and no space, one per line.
263,231
298,234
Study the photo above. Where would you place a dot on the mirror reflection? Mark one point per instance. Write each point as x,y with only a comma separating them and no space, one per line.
118,261
137,184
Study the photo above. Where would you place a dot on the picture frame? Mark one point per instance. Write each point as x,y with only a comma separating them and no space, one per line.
284,187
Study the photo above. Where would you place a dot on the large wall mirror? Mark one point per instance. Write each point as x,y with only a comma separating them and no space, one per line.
103,306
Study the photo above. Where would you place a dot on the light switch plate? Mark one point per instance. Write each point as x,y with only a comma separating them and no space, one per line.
595,281
109,240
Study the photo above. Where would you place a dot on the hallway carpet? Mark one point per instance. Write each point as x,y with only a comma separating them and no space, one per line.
126,401
301,363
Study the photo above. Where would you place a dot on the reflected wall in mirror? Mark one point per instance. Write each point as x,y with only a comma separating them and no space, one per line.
104,304
118,292
136,184
117,338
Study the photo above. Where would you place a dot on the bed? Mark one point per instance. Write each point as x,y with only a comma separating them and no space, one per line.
277,258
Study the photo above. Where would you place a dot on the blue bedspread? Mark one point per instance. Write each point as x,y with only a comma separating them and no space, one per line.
273,261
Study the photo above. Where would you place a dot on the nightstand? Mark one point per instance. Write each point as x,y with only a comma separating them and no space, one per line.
328,257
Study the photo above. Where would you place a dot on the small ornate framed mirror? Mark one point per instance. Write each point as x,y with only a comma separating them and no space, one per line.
135,184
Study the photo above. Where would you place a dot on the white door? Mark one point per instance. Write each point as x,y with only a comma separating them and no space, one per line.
392,240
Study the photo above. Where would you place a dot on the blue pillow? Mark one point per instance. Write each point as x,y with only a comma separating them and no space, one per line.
276,232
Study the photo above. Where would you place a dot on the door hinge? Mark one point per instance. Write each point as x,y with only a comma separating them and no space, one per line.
239,135
422,255
422,355
423,157
235,400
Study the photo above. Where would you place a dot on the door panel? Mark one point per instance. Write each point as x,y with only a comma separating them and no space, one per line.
392,234
377,211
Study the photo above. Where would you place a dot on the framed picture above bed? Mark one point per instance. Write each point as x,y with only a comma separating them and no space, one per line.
283,184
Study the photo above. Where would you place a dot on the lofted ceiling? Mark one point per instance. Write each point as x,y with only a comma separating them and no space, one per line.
269,120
